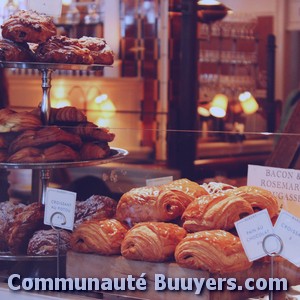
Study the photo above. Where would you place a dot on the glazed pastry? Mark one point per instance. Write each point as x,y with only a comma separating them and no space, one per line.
100,50
157,203
99,236
152,241
11,121
10,51
8,212
215,211
25,224
91,132
217,187
56,153
215,251
28,26
258,198
94,150
96,207
62,49
44,137
45,242
67,115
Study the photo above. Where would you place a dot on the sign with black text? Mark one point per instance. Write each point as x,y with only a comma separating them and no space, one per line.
49,7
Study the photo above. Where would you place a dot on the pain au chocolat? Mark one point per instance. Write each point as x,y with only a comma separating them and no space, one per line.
11,51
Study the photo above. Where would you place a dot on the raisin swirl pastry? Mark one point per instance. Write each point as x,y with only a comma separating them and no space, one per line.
216,251
152,241
10,51
99,236
28,26
62,49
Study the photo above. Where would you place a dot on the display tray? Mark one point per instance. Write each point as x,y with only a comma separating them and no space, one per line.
7,256
51,66
116,153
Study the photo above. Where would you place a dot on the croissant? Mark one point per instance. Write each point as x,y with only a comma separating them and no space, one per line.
99,236
259,198
216,251
215,211
94,150
68,114
152,241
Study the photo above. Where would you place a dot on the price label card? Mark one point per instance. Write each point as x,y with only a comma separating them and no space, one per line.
60,208
252,231
287,227
49,7
283,183
159,181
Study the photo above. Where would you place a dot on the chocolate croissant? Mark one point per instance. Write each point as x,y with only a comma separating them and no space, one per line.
99,236
152,241
215,211
10,51
216,251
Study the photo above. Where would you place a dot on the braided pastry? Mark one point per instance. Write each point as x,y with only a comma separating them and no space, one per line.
215,211
216,251
28,26
152,241
10,51
99,236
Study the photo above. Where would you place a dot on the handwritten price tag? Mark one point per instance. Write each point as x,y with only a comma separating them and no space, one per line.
48,7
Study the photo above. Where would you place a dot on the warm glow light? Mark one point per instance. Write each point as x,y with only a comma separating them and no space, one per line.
102,122
203,111
104,105
208,2
66,2
248,103
59,103
219,106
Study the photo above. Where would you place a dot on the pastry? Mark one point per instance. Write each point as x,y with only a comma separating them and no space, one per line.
258,198
6,139
100,50
215,251
62,49
67,115
152,241
25,224
157,203
94,150
43,138
11,51
99,236
45,242
56,153
3,155
96,207
215,211
28,26
217,187
11,121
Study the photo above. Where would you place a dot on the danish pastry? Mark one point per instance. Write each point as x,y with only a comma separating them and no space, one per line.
10,51
99,236
216,251
152,241
100,50
28,26
62,49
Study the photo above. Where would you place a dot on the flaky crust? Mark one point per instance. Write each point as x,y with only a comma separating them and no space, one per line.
152,241
95,207
11,51
12,121
45,242
62,49
56,153
216,251
99,236
23,227
157,203
43,138
28,26
94,150
215,211
67,115
100,50
258,198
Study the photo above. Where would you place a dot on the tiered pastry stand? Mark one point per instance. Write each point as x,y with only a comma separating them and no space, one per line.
42,171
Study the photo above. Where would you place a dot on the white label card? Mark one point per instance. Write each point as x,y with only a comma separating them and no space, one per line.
159,181
60,208
283,183
287,227
49,7
252,230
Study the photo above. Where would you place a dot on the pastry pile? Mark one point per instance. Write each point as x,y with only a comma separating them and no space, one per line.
69,137
29,36
183,221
